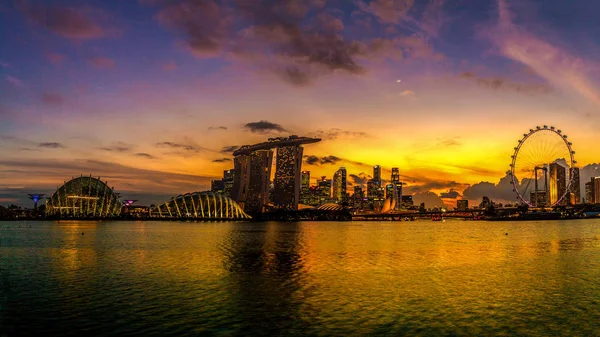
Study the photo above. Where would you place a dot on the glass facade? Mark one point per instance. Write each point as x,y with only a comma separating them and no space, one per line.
84,197
339,185
288,177
200,205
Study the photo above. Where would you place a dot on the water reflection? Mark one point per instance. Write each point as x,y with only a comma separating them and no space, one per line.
185,278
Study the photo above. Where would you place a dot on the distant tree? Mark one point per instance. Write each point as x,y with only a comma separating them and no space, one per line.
422,208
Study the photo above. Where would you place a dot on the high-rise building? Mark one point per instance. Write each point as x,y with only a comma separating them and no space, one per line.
377,174
228,182
389,191
217,186
395,175
305,188
407,201
288,177
339,185
589,192
557,184
358,197
596,181
324,190
399,197
462,205
576,184
252,177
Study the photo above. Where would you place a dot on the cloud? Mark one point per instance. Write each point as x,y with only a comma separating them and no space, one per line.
388,11
407,93
144,155
185,147
218,128
263,127
53,99
51,145
502,191
429,198
451,194
282,37
68,22
118,147
229,149
506,85
14,81
359,179
448,142
102,62
336,133
222,160
556,65
327,160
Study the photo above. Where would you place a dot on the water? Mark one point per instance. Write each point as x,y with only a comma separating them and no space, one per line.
456,278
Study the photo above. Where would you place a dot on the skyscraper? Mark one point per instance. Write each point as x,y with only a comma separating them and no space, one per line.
288,177
589,192
252,176
596,181
576,184
395,175
358,197
305,188
377,174
557,185
228,182
324,190
339,185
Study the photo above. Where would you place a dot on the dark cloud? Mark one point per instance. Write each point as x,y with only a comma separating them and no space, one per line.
359,179
263,127
419,185
452,194
502,191
211,128
448,142
222,160
69,22
229,149
336,133
51,145
388,11
327,160
119,147
145,155
506,85
53,99
299,40
429,198
172,145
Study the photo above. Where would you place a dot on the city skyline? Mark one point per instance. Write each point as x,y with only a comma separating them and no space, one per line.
441,91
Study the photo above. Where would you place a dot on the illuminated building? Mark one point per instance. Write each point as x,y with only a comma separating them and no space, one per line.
541,198
407,201
576,185
596,182
252,172
462,205
557,186
395,175
339,185
358,197
589,192
372,192
389,191
288,177
199,205
228,182
217,186
324,190
377,174
305,188
84,197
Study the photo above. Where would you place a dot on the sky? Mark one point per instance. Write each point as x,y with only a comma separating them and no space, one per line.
153,96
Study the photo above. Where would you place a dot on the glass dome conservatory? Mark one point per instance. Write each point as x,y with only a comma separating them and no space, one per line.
200,205
84,197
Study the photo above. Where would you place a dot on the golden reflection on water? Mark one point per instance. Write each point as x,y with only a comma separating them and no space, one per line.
361,278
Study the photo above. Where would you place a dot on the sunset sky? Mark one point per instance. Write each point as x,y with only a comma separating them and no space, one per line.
153,95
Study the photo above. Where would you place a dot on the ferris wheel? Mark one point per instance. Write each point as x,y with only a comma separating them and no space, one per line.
541,167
